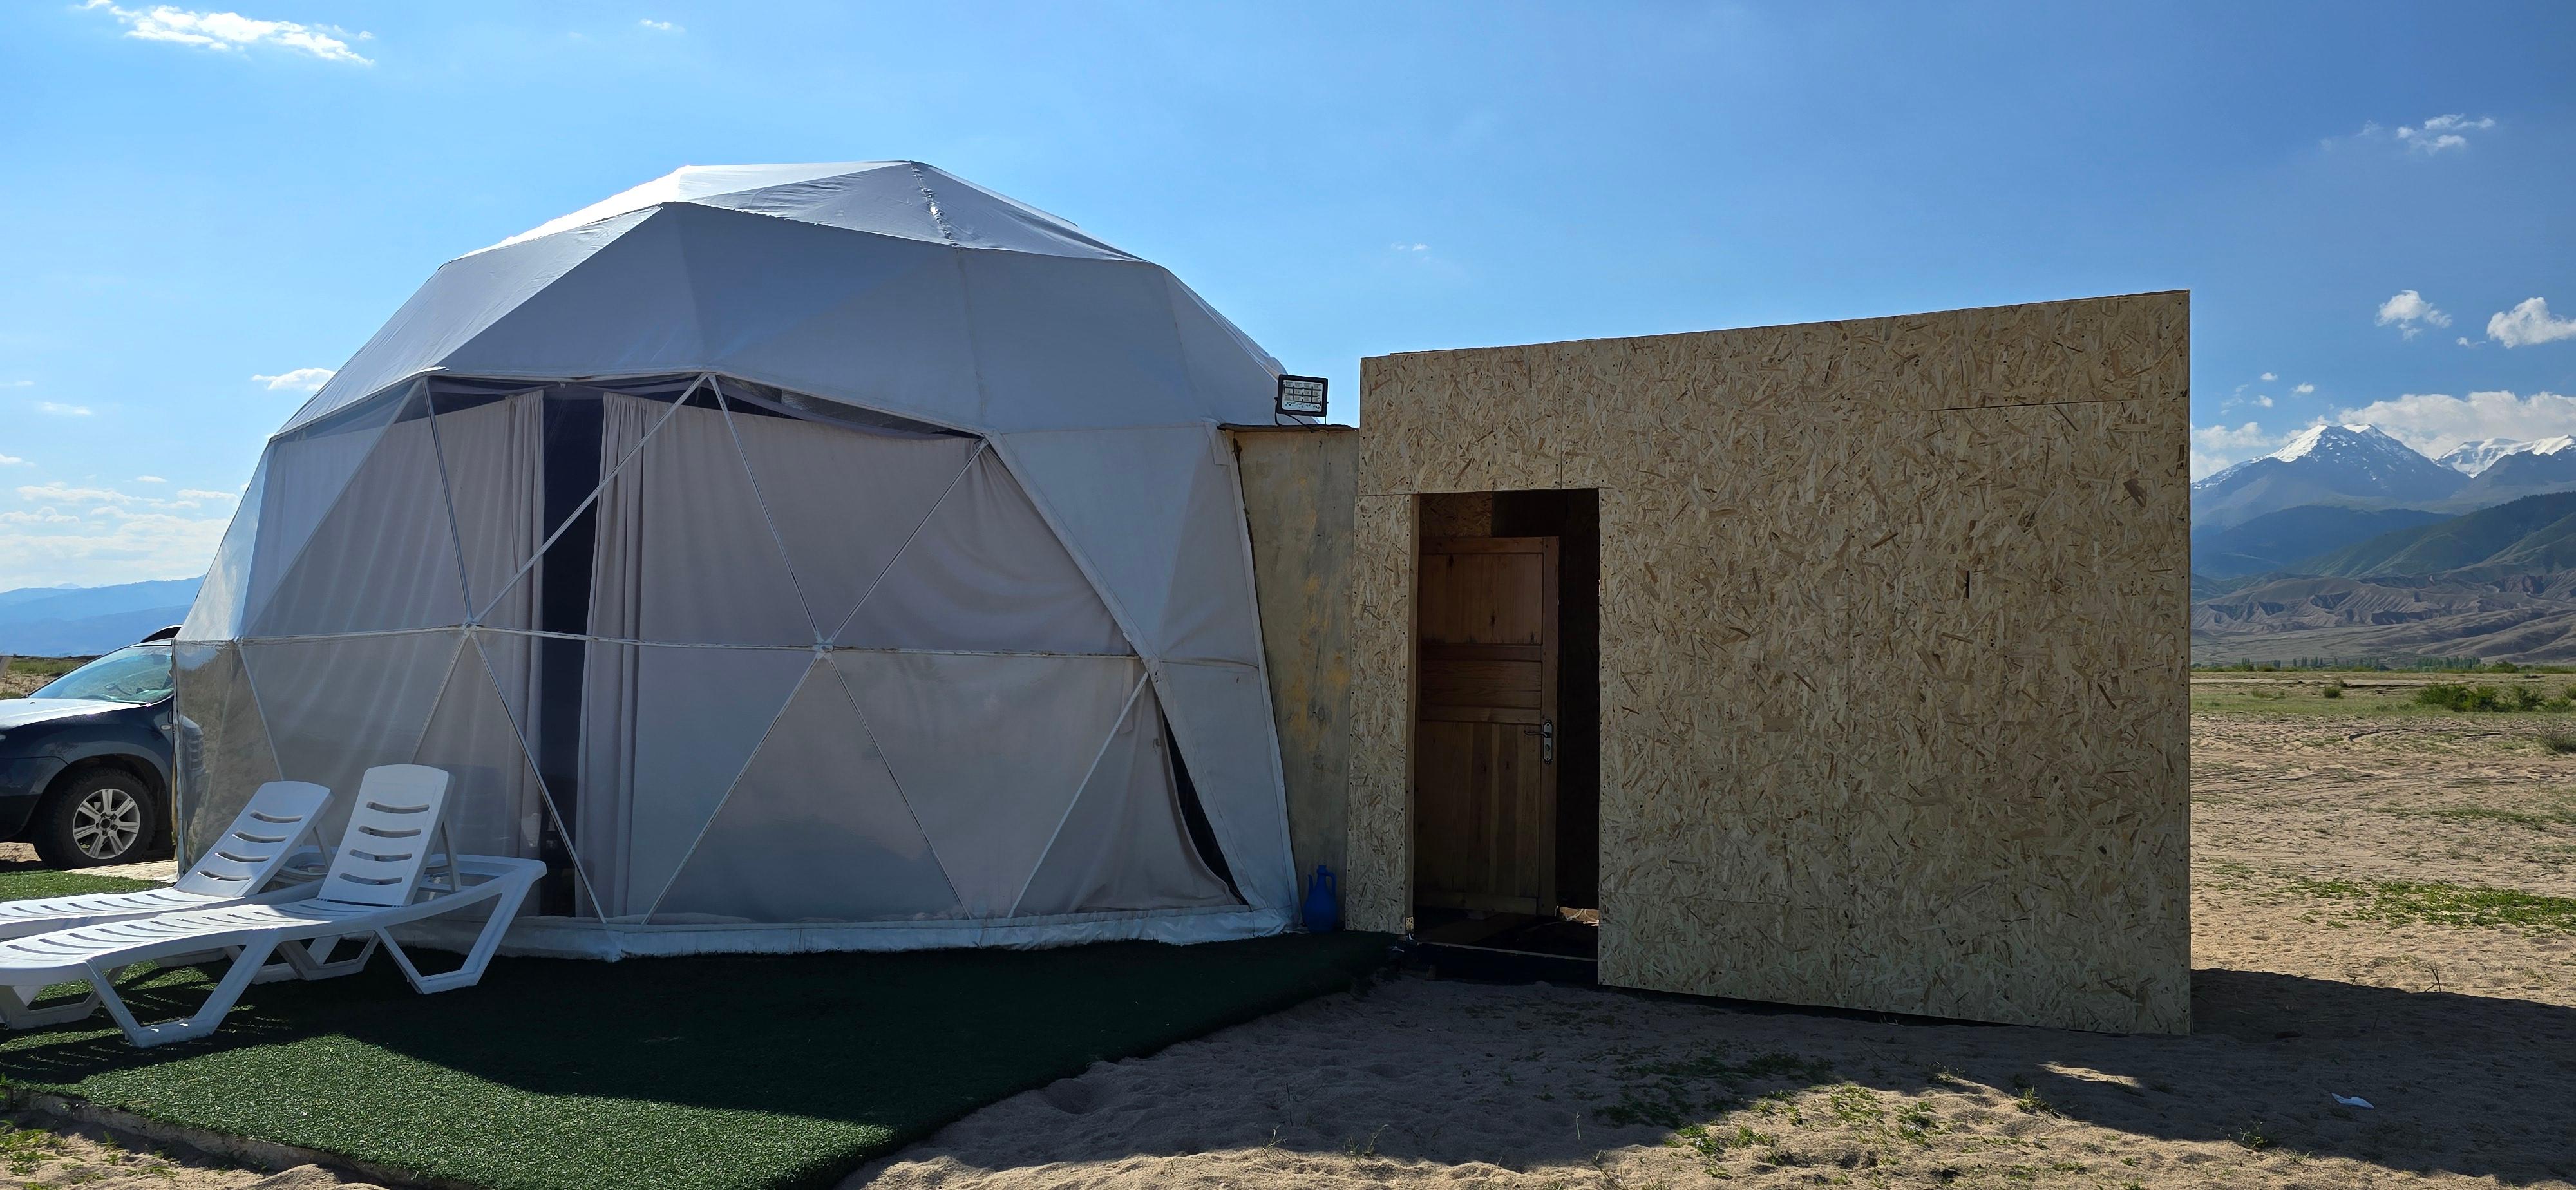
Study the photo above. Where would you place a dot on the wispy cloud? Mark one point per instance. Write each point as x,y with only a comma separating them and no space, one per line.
1403,247
2436,422
149,479
661,26
17,384
203,494
2529,323
231,31
298,380
2442,133
2271,376
2263,402
11,461
2410,313
2304,389
59,409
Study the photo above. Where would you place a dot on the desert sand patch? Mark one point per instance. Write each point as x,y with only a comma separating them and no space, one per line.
2461,1038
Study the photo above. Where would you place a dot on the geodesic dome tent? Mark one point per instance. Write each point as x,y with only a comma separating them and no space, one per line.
797,557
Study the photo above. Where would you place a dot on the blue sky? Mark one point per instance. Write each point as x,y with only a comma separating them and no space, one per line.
202,205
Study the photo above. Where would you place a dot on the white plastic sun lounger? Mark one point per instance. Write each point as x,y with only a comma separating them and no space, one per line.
237,868
372,887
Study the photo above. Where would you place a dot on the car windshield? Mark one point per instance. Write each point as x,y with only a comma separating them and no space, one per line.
136,673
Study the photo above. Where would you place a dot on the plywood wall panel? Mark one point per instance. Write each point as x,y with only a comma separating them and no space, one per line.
1299,487
1377,885
1891,638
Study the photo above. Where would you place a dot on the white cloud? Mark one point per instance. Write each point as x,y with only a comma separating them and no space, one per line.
661,26
2529,323
1401,247
2304,389
2271,375
2263,402
2436,422
59,409
17,383
2223,438
71,495
149,479
11,461
300,379
45,547
203,494
2410,313
2442,133
231,31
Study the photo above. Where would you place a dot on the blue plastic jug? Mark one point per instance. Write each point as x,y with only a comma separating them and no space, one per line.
1323,902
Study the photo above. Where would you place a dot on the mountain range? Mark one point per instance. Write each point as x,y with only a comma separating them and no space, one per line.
2346,543
80,621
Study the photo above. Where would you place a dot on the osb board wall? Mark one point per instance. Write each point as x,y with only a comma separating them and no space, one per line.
1893,648
1298,488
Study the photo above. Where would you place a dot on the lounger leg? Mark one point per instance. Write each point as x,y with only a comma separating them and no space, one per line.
209,1017
14,1010
310,964
505,909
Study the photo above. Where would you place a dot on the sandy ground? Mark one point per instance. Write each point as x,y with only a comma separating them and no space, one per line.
37,1156
2462,1038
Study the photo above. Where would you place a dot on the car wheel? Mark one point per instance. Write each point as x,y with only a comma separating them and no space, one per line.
103,816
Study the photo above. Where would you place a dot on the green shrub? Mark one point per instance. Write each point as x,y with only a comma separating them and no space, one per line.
2455,696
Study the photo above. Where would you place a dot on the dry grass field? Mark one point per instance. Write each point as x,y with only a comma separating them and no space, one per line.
2384,908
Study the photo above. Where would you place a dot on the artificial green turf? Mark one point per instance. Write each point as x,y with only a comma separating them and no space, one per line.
784,1071
37,882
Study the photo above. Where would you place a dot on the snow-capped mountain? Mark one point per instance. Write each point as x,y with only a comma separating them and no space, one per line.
2548,465
2358,466
2469,458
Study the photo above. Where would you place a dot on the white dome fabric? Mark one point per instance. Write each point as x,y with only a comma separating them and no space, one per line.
798,557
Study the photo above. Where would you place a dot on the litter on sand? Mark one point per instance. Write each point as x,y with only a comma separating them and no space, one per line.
2350,1100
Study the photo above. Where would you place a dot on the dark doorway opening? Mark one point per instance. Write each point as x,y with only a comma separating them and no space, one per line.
1507,759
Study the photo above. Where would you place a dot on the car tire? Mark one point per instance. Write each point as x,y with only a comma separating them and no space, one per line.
102,815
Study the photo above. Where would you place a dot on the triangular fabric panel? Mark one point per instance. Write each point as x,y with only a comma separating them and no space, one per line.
985,573
216,614
1221,718
495,804
626,309
466,296
223,750
782,303
1123,846
989,752
306,472
1221,358
1064,342
1157,513
665,732
814,831
385,557
845,500
338,707
684,549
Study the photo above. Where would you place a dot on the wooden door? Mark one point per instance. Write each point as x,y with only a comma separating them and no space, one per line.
1484,769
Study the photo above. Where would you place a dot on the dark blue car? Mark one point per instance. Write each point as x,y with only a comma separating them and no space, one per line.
85,760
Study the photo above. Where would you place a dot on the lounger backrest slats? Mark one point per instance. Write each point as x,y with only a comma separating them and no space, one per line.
391,831
248,854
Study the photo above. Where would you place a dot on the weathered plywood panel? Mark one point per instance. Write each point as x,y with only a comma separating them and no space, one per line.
1299,492
1892,647
1376,891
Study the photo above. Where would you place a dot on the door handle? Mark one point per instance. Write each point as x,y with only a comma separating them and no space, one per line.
1546,733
